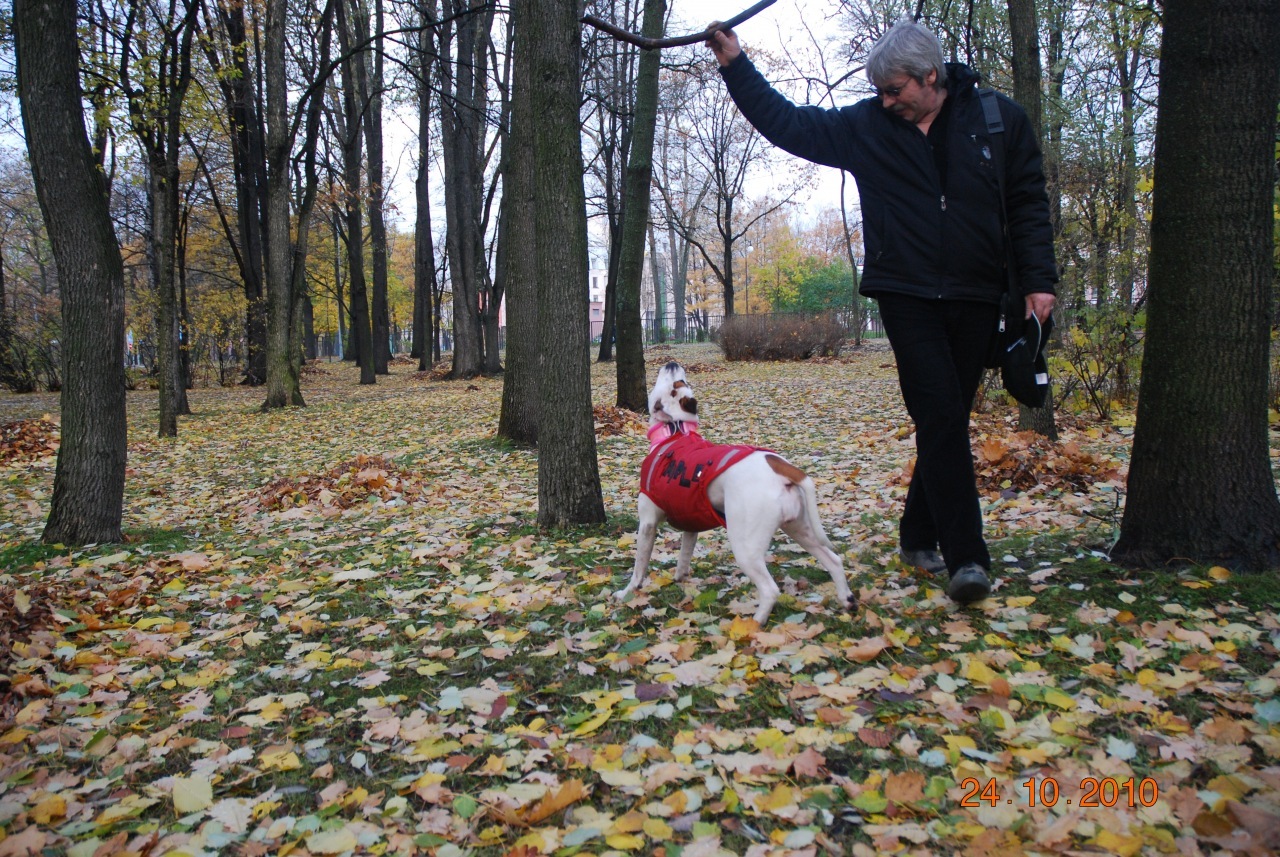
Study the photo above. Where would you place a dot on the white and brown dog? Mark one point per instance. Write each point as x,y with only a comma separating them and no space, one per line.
696,486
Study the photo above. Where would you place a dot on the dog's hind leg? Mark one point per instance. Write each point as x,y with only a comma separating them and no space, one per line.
650,517
806,530
750,537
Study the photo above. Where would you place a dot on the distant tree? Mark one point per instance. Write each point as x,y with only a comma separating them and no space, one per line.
88,485
1201,486
568,473
632,388
153,72
425,346
518,419
464,100
349,131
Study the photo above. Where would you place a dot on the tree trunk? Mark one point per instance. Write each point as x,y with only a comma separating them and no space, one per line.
1201,486
659,292
349,131
283,385
88,485
462,133
370,90
249,167
1024,32
568,475
424,251
163,197
632,392
518,419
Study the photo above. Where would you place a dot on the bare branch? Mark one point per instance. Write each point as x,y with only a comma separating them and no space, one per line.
675,41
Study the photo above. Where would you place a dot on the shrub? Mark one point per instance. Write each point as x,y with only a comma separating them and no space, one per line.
781,337
1096,363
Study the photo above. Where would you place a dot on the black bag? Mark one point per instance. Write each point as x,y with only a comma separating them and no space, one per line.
1023,366
1019,344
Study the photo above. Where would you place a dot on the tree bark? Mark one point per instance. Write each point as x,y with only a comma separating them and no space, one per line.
283,387
632,392
370,88
424,251
349,130
1024,31
568,475
88,485
1201,487
463,105
518,418
249,165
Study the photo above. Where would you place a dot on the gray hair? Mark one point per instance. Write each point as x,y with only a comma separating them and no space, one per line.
908,48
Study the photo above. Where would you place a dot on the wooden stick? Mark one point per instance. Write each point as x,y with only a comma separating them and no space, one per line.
675,41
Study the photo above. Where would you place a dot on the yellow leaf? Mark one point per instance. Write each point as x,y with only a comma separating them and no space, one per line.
1219,573
589,726
1117,843
1058,699
781,797
975,670
152,622
279,759
51,807
191,794
625,842
332,841
21,601
632,822
658,830
743,627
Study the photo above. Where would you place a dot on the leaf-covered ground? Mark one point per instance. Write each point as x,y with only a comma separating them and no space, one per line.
336,630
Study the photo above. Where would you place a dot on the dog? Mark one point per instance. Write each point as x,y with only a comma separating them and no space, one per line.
696,486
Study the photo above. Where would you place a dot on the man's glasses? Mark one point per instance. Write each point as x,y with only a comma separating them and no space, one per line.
890,91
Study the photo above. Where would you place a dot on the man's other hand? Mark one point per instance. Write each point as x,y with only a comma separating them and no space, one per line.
724,44
1040,304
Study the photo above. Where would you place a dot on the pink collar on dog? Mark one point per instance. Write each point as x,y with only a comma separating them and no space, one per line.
661,432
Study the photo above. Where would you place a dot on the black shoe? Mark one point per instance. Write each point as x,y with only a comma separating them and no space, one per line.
926,558
969,584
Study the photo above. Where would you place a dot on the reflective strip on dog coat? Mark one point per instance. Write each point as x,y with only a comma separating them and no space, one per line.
675,475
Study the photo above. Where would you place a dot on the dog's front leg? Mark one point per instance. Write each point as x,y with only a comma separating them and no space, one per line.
650,517
687,543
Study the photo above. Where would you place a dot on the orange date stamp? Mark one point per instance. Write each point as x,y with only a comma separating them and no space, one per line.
1108,791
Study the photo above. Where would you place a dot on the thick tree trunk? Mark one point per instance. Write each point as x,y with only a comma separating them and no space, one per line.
370,88
283,387
568,475
250,169
1201,487
349,131
518,419
88,485
632,392
462,131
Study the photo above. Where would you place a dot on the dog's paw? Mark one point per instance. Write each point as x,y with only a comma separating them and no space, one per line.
852,601
622,595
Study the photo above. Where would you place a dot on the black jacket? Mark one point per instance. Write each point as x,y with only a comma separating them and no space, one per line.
923,239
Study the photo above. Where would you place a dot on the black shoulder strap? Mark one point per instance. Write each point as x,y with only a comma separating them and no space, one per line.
995,127
991,110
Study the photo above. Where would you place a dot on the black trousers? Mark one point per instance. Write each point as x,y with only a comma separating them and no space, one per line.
941,348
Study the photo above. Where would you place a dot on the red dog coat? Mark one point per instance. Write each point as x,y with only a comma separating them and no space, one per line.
676,472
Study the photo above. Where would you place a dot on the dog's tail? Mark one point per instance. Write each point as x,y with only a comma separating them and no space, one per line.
810,492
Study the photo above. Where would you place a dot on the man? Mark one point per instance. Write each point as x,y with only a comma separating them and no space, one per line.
933,219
